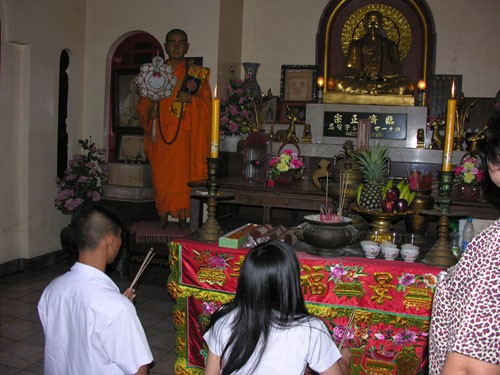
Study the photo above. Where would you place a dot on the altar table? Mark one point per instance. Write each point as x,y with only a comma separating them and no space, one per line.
392,300
302,196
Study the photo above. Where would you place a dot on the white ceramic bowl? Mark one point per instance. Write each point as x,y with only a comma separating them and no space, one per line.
409,255
371,251
388,244
390,252
368,242
409,246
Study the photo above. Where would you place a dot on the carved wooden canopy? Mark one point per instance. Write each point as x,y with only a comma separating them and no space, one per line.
408,23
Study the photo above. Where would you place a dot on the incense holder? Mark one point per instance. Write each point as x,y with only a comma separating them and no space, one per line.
328,235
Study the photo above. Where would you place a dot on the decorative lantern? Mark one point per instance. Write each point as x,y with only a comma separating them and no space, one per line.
257,153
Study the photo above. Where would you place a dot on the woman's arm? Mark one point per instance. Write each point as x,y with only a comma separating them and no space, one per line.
213,364
341,367
459,364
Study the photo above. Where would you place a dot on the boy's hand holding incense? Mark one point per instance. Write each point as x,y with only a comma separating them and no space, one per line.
130,294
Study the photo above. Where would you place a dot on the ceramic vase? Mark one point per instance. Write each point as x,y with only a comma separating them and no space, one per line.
231,142
468,192
250,84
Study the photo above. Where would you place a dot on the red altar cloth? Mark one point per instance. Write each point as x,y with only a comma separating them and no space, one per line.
392,300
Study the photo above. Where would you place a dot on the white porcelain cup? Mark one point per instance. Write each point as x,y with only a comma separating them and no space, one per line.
388,244
409,246
409,255
390,252
371,250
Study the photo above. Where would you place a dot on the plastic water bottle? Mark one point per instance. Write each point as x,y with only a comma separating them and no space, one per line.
468,233
454,240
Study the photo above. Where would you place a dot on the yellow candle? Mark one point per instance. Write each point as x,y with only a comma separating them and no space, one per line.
450,131
214,141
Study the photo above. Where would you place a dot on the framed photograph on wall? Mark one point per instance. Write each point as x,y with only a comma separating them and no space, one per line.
297,108
125,97
131,147
270,110
298,83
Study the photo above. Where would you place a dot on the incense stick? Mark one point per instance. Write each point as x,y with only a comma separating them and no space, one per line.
346,331
144,264
344,178
326,195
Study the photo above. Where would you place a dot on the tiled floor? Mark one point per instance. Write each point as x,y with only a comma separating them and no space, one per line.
21,334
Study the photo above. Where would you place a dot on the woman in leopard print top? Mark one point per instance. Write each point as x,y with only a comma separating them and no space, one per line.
465,324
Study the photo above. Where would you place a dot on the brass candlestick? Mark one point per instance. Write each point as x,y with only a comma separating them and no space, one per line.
440,254
211,231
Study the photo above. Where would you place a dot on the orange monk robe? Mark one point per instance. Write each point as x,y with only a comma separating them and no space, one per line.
174,165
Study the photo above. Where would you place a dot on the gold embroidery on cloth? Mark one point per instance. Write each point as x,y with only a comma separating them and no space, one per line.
349,289
418,297
407,361
381,290
211,276
313,282
377,367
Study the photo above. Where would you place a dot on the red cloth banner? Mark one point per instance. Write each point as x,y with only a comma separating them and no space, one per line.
392,300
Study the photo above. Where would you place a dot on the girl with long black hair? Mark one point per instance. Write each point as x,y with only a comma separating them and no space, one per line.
266,329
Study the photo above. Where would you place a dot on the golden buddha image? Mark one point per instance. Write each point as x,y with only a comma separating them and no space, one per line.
372,65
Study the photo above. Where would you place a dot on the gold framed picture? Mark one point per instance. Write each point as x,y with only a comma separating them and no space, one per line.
298,83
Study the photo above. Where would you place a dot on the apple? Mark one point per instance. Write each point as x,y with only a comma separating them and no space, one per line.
401,205
387,205
392,193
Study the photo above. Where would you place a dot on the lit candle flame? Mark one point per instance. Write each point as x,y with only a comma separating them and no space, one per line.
453,89
330,84
421,85
215,92
321,82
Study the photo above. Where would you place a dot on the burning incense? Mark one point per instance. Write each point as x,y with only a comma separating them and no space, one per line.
144,264
344,178
326,194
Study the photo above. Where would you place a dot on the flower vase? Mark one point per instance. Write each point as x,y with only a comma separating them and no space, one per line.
231,142
250,84
468,192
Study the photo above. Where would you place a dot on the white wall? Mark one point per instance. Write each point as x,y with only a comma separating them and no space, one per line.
273,33
33,35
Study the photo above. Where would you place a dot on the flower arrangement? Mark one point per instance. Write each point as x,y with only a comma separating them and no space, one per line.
470,171
235,110
82,180
288,162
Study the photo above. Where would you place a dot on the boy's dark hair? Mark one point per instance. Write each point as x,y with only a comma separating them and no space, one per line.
92,224
492,144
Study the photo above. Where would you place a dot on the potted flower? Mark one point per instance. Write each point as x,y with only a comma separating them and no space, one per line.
468,176
82,180
235,111
285,169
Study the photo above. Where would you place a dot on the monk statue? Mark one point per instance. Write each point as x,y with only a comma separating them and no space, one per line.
372,64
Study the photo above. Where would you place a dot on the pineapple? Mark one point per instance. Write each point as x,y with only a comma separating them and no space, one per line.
373,164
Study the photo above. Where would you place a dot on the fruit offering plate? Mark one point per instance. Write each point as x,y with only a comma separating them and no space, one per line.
381,215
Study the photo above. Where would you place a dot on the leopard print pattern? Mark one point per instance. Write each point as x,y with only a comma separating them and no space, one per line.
466,309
